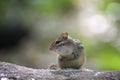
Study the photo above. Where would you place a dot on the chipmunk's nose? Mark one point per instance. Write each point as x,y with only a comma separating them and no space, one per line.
50,48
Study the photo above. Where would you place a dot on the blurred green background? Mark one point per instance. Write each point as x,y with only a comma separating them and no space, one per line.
28,27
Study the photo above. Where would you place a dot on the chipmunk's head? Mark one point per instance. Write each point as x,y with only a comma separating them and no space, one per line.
62,45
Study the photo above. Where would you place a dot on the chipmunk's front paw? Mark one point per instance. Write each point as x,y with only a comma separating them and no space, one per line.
53,67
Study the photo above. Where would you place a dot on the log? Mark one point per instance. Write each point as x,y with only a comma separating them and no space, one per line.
9,71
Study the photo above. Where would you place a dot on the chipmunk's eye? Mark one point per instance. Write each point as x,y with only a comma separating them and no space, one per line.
57,42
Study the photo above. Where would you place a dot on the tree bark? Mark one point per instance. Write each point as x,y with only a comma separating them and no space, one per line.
10,71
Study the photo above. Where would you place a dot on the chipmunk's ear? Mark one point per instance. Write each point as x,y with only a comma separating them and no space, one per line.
65,35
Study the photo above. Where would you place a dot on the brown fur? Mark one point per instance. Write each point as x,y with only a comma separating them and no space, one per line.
74,59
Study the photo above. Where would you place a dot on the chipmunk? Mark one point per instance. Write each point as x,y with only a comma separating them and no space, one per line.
70,52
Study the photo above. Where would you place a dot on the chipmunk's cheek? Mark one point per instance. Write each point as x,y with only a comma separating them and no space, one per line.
64,50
